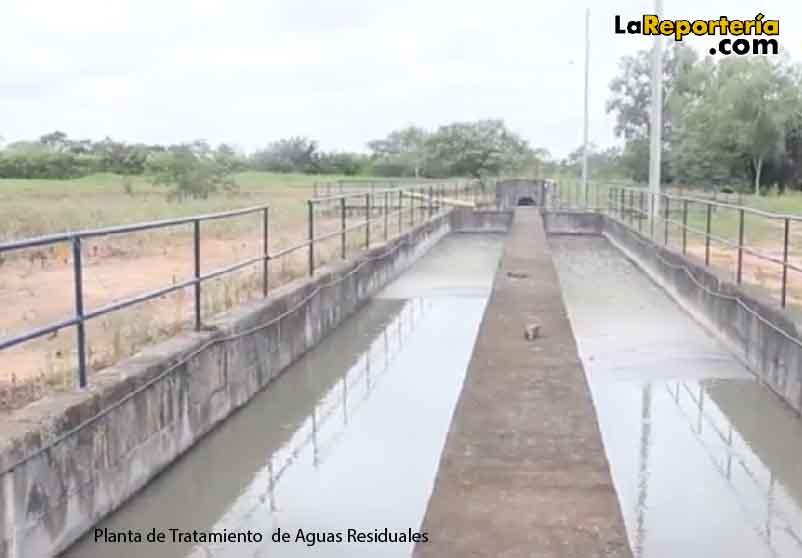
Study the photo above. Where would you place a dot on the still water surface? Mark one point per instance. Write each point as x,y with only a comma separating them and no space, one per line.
348,437
705,460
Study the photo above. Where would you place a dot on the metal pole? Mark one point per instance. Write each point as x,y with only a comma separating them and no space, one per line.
640,211
386,214
79,310
196,238
367,221
656,124
707,235
665,218
740,246
400,211
431,202
684,226
585,131
411,209
265,251
343,229
785,262
311,220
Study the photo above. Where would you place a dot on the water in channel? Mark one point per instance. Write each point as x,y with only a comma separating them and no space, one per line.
349,437
706,461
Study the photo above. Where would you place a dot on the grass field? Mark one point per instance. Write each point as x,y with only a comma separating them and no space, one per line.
33,207
36,285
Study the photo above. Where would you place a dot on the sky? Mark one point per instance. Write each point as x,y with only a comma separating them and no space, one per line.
248,72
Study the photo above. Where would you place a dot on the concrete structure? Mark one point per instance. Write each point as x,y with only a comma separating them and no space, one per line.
765,338
524,472
70,459
522,191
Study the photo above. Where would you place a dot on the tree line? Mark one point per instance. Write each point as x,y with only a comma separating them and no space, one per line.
474,149
733,121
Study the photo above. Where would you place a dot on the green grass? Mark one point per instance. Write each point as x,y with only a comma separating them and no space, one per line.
34,207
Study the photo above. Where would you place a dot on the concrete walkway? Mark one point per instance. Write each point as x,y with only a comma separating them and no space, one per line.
523,472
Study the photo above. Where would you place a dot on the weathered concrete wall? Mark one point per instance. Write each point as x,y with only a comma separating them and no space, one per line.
72,458
765,338
523,471
469,220
510,192
573,222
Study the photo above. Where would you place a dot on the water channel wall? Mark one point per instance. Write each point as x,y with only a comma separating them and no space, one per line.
70,459
764,337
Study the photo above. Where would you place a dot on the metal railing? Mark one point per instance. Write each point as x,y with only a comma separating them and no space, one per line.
394,210
696,226
82,314
456,188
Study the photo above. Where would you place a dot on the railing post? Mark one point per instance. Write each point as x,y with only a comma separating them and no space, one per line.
740,246
622,204
343,229
77,270
386,214
665,219
311,219
684,226
785,262
197,272
651,215
707,234
265,250
631,207
411,209
640,212
400,210
431,202
367,221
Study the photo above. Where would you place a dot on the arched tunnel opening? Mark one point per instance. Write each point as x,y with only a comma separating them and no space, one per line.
526,200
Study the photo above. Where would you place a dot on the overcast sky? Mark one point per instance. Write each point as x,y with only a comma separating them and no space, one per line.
342,71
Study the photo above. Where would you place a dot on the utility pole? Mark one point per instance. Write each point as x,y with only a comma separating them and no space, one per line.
585,138
656,126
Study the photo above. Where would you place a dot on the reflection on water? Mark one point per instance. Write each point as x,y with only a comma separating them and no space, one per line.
347,438
705,460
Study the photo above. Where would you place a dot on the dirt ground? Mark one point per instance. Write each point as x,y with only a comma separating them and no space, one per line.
36,291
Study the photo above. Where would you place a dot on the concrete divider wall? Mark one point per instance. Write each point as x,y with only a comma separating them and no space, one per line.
573,222
470,220
72,458
760,334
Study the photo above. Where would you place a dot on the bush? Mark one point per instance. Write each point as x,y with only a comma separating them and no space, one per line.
189,176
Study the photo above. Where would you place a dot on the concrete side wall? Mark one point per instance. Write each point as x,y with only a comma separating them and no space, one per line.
761,335
73,458
573,222
469,220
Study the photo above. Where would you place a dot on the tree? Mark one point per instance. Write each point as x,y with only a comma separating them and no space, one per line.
477,149
758,98
57,141
602,163
743,119
631,99
403,149
295,154
188,175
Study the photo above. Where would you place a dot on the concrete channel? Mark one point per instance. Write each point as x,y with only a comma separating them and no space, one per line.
348,437
705,458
